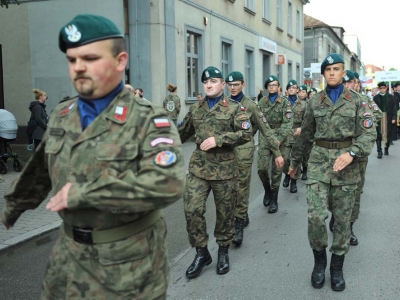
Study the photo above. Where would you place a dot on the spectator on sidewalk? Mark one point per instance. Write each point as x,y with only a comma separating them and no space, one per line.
39,115
172,103
112,162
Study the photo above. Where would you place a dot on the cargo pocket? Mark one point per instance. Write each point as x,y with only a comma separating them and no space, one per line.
125,265
313,195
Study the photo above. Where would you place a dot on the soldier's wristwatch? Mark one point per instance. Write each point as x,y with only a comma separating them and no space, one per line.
352,154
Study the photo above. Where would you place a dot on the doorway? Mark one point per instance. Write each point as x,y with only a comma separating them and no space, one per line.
266,70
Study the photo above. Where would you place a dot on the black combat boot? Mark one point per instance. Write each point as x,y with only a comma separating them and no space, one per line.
304,175
337,281
267,195
386,151
273,206
293,185
223,260
286,181
239,225
332,223
379,148
247,220
318,273
202,258
353,238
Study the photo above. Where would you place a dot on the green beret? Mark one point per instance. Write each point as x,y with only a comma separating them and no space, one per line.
381,84
349,76
331,59
211,72
270,79
357,75
234,76
290,83
86,29
312,90
303,88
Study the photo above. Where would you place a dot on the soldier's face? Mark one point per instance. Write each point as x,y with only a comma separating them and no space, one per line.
302,94
273,87
235,87
351,84
311,94
93,70
334,73
293,90
213,87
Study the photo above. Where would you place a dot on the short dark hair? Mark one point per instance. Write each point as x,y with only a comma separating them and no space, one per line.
118,46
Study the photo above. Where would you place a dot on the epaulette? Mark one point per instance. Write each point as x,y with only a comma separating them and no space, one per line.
252,101
355,92
142,102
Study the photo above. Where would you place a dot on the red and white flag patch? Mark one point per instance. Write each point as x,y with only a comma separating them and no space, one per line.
162,122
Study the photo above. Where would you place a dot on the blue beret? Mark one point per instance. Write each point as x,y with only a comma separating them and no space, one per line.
270,79
86,29
349,76
211,72
331,59
234,76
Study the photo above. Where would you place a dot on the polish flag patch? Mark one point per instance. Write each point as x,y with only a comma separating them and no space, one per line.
162,122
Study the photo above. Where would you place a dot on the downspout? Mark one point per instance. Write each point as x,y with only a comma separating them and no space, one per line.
126,34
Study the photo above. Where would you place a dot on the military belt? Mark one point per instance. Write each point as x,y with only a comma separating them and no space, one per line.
274,126
89,236
222,149
334,145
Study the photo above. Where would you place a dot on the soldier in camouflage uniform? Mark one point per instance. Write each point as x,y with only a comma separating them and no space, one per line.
112,162
343,130
278,113
298,108
245,153
172,103
303,96
219,125
352,82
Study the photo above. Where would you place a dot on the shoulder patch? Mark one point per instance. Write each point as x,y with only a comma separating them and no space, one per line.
161,140
246,125
367,123
242,117
161,122
165,159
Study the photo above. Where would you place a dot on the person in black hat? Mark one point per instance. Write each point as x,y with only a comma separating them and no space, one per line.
112,162
387,105
219,125
343,129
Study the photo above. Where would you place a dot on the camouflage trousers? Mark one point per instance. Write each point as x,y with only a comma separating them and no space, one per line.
304,162
243,193
286,156
194,200
266,159
341,198
133,268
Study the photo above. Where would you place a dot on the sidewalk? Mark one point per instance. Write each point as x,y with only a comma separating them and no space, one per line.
37,222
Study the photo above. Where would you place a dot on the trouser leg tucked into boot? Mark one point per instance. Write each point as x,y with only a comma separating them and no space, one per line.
379,148
353,238
247,221
318,274
337,281
239,225
267,195
202,259
304,175
223,260
273,206
332,223
286,181
293,185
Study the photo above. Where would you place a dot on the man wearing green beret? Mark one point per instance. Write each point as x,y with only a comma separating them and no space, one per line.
219,125
298,108
343,130
245,153
312,92
112,162
278,113
302,94
387,105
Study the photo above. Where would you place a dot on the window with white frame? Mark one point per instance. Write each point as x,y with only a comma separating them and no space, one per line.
267,10
298,26
290,19
279,16
249,4
193,63
249,72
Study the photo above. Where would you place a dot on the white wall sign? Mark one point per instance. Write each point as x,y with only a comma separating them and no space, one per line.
267,45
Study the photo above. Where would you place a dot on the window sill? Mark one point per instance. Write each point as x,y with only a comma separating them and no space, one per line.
266,21
233,1
289,35
279,29
253,13
191,100
297,40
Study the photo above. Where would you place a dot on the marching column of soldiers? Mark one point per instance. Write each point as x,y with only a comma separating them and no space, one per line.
301,136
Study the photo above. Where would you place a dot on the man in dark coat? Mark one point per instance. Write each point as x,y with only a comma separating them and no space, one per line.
396,95
386,103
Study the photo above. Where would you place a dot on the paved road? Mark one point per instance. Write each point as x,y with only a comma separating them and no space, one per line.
275,261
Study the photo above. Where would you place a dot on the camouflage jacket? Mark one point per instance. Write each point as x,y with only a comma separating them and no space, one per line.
348,119
258,122
172,105
228,122
279,117
125,164
298,111
373,107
